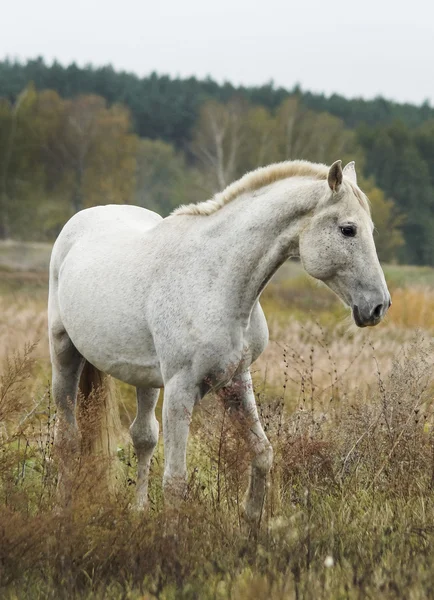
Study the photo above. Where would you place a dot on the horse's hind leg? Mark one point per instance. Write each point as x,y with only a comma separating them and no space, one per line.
67,364
239,400
144,432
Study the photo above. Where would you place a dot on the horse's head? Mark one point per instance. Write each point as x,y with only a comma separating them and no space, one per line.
337,247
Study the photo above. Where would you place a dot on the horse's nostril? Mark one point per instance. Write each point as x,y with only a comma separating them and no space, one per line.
377,311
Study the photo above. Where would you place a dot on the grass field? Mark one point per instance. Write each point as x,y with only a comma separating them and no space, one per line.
350,508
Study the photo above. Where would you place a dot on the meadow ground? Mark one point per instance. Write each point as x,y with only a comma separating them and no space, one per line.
350,507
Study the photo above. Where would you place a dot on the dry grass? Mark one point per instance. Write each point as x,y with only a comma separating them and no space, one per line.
349,511
413,307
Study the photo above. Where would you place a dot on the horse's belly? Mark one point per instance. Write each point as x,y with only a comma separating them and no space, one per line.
139,375
134,362
112,335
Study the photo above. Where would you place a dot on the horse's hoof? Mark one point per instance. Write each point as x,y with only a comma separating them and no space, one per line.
252,516
175,490
140,507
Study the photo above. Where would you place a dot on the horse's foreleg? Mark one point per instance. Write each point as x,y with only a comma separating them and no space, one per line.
179,401
144,432
239,400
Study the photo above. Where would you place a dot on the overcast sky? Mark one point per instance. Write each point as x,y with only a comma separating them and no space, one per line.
362,48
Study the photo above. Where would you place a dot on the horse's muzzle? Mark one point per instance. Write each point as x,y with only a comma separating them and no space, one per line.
370,314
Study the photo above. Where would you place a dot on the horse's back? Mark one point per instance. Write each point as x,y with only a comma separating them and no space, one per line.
112,220
115,216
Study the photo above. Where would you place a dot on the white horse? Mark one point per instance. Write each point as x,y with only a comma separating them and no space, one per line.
174,302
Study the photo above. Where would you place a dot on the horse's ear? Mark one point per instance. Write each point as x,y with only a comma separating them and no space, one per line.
350,171
334,178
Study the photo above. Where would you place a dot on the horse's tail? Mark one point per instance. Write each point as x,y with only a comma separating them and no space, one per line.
97,414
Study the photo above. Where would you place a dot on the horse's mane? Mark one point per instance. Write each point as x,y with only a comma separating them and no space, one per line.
252,181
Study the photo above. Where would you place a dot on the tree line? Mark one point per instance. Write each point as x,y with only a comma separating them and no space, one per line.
75,137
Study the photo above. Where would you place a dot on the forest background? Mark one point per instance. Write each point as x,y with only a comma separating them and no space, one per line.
73,137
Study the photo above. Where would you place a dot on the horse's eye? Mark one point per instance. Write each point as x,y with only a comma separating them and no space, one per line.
348,230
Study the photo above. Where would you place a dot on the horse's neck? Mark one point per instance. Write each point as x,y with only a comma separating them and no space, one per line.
255,234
